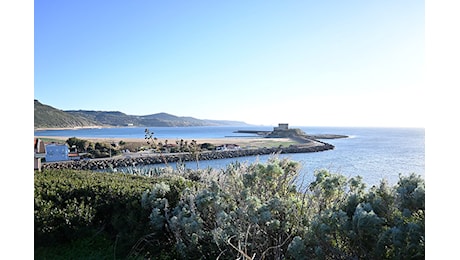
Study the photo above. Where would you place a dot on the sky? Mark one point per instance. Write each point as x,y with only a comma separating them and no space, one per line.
306,63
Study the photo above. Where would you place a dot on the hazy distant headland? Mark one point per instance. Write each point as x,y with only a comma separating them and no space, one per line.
48,117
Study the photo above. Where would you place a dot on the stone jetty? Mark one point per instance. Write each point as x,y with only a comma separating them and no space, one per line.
101,164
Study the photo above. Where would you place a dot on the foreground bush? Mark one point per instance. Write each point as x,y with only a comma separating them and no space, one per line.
88,208
257,212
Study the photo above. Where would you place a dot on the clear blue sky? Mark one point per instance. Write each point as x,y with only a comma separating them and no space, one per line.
310,63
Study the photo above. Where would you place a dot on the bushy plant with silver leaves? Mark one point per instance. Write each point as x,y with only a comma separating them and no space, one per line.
242,211
256,211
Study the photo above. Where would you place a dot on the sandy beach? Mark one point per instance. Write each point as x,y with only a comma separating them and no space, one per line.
256,141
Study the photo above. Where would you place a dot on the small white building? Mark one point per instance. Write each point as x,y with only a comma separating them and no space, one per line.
56,152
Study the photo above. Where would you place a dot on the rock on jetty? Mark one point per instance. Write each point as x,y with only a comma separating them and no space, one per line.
100,164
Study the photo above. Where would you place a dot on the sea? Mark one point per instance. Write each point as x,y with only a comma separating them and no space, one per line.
374,153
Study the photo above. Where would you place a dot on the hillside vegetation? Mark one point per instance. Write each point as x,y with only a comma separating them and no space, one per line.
46,116
49,117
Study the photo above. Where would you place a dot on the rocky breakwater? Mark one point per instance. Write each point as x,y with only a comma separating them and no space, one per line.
100,164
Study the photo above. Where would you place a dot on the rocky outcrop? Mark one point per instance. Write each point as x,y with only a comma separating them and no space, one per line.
283,133
176,157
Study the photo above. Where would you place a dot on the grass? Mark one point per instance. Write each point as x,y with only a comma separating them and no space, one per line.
50,140
136,144
271,143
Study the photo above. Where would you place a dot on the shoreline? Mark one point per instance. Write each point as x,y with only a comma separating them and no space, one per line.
159,158
249,146
241,141
68,128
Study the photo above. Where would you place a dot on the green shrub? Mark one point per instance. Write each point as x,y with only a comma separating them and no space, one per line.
257,212
207,146
251,211
241,211
73,205
380,223
94,247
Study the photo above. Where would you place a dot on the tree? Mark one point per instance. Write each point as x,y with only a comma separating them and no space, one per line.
80,144
195,149
155,144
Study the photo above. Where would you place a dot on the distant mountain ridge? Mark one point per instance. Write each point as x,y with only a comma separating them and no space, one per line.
46,116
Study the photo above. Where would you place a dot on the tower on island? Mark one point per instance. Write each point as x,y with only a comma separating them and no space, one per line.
281,127
283,130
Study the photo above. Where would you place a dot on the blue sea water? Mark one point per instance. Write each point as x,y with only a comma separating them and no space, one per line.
372,153
171,133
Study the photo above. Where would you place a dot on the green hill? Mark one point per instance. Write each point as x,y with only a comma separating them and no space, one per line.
49,117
